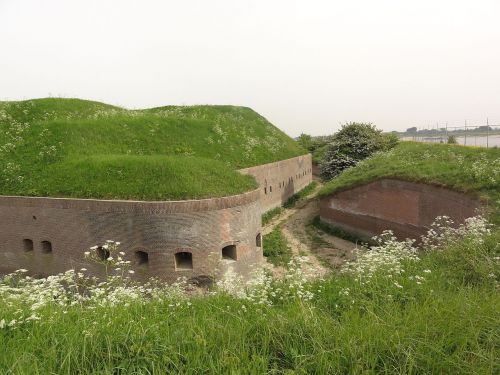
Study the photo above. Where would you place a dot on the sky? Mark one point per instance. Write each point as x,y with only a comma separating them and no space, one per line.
307,66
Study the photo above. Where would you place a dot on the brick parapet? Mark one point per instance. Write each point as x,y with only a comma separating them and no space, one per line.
154,207
280,180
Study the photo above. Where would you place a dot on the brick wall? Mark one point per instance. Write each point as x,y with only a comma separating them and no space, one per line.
407,208
161,229
280,180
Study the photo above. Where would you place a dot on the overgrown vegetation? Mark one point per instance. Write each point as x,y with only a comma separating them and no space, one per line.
467,169
77,148
268,216
297,197
351,144
276,248
390,312
335,231
315,145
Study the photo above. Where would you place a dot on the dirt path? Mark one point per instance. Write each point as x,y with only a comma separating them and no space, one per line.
325,252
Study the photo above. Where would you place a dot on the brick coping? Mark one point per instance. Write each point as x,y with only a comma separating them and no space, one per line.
160,207
274,162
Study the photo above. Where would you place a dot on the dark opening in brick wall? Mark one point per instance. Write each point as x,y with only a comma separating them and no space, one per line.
183,261
229,252
46,247
27,244
141,258
258,240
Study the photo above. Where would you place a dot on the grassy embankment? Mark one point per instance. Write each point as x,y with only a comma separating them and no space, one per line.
432,314
471,170
77,148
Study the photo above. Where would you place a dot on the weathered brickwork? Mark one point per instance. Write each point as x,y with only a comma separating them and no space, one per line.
50,235
280,180
406,208
160,229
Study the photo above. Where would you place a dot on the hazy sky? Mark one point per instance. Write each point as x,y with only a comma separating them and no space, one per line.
305,65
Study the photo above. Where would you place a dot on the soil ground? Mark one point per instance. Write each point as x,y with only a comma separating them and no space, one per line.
326,253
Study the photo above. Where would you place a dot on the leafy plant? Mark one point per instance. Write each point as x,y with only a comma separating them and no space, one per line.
354,142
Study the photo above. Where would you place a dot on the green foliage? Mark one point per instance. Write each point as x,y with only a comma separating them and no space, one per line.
466,169
443,324
124,177
305,141
268,216
42,140
352,143
292,201
335,231
452,140
276,248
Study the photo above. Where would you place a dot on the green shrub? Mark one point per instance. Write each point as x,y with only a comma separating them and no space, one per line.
354,142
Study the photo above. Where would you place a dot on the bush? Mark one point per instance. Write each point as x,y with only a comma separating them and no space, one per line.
354,142
335,161
452,140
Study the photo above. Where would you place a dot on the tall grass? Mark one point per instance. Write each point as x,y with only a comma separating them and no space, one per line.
437,313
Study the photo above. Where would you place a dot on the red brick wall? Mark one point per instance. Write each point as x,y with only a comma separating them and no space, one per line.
280,180
201,227
407,208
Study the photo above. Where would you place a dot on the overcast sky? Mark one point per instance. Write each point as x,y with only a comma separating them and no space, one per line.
307,66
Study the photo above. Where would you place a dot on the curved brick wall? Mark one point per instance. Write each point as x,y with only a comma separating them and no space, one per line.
407,208
282,179
161,229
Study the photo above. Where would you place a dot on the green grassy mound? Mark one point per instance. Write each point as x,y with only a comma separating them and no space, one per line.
466,169
77,148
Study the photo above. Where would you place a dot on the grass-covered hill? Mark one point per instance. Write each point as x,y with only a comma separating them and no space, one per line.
472,170
77,148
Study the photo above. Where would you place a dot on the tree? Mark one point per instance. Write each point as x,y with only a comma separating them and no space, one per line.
412,130
306,141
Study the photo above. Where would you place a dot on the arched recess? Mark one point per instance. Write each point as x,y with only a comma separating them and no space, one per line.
230,252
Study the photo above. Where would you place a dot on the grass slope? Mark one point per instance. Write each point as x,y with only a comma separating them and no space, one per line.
77,148
466,169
